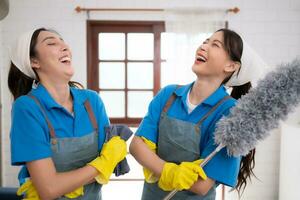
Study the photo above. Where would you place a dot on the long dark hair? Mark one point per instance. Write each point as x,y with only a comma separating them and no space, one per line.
19,83
234,46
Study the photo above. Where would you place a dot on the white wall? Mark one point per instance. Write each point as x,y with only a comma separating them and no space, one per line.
290,161
272,27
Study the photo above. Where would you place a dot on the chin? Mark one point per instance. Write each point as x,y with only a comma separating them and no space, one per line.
70,71
69,75
194,68
197,69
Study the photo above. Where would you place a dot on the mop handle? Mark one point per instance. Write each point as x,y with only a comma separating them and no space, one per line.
205,161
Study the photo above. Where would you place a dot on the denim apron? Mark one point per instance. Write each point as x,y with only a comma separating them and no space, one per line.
178,141
75,152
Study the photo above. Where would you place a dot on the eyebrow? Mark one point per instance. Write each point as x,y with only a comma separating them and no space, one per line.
51,37
219,42
215,40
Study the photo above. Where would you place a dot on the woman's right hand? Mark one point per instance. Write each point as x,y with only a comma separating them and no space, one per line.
111,154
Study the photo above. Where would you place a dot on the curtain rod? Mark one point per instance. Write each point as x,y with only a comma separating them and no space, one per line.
80,9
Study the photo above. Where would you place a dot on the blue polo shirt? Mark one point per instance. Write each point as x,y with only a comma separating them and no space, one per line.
30,136
222,168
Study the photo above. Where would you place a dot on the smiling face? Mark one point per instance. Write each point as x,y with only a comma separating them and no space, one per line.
212,60
53,60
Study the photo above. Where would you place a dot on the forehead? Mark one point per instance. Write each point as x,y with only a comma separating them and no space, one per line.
47,34
217,36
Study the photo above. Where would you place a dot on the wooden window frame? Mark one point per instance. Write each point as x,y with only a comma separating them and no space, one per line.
94,28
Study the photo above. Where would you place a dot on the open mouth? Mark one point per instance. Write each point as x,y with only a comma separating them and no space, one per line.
201,58
65,60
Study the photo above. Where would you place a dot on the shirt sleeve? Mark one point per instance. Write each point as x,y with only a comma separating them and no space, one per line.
149,125
29,132
222,168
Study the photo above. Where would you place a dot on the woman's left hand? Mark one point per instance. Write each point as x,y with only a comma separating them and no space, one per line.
30,192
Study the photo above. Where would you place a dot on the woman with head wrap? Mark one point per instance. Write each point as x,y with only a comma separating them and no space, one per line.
57,130
178,129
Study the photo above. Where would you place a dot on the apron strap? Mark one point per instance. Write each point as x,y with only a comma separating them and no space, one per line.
170,100
212,110
91,114
52,132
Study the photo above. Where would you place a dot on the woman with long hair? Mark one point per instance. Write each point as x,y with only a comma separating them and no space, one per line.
178,130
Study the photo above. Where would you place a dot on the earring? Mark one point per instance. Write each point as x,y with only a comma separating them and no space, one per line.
34,84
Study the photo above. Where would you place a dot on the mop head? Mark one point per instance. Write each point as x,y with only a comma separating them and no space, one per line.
261,110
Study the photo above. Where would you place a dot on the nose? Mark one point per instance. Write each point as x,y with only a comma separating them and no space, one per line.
203,47
64,46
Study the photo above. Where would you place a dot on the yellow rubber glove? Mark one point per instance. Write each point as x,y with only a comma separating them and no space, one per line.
31,193
76,193
149,176
111,154
181,176
29,190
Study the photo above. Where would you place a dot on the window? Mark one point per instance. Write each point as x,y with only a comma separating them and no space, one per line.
124,66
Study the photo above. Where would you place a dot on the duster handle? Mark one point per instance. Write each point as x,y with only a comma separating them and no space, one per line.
205,161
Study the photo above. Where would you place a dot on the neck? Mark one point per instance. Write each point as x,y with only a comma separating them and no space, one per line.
61,94
202,89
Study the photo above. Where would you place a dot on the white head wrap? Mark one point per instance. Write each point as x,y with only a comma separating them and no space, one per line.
20,54
252,68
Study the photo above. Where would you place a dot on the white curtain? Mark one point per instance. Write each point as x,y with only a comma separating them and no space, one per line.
185,31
